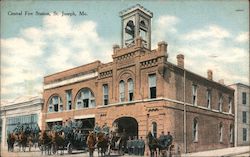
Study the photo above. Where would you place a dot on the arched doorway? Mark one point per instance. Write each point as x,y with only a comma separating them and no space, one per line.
129,124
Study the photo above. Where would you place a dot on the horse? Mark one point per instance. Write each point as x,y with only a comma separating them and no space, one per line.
45,142
91,141
153,144
11,141
30,141
102,143
58,142
22,141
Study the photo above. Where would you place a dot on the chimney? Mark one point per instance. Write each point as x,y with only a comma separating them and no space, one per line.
162,47
180,60
115,48
221,81
210,74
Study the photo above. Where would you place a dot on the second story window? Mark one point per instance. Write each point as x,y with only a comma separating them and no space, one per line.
194,94
244,98
55,104
220,102
152,86
208,99
244,117
85,99
122,91
130,90
105,94
68,99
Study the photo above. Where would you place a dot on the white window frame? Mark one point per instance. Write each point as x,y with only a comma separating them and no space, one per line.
195,130
152,82
220,103
55,100
122,91
83,94
105,90
220,132
154,129
230,105
194,94
130,89
209,93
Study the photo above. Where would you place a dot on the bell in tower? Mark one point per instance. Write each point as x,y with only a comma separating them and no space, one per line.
136,22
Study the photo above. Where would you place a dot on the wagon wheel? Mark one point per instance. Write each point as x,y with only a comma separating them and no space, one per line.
54,148
69,148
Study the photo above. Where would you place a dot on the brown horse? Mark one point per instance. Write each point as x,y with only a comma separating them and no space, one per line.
45,142
102,143
22,141
11,141
58,142
91,141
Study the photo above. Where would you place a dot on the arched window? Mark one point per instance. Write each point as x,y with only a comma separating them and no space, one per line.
231,133
220,102
122,90
55,104
195,130
220,132
154,129
229,105
85,99
130,89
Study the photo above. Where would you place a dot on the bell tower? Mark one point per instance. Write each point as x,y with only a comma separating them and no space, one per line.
136,22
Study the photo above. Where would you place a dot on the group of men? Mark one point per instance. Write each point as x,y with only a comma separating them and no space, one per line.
165,140
135,146
26,128
104,129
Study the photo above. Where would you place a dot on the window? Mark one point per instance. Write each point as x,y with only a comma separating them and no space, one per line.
152,86
209,99
244,134
154,129
194,93
244,98
85,99
55,104
244,117
130,90
221,132
230,105
195,130
231,134
105,94
68,99
122,90
220,102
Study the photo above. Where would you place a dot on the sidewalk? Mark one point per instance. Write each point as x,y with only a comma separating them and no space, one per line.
233,151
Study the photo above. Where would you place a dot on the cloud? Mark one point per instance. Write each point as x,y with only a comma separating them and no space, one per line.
164,27
213,48
211,31
38,51
242,37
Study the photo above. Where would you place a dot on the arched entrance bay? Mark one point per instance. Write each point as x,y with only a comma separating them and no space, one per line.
129,124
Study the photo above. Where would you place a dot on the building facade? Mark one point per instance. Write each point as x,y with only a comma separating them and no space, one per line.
242,123
26,110
142,91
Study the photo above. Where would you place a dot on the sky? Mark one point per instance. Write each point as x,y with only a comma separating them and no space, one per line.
211,34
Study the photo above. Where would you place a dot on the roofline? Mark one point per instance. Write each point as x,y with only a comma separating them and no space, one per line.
223,85
239,84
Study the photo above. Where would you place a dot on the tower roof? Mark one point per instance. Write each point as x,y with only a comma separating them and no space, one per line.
136,7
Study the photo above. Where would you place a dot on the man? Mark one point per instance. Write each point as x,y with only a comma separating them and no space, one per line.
162,140
169,139
97,129
141,146
129,146
105,129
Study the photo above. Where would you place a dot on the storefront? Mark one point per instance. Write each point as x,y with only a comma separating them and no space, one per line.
24,110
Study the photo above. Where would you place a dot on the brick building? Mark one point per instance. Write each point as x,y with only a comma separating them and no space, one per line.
141,91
